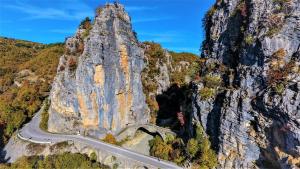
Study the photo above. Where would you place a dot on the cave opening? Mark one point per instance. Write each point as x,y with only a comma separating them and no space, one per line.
174,107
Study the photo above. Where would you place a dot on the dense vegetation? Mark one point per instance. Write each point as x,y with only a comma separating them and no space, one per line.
211,84
110,138
197,150
27,70
185,73
58,161
45,116
182,67
87,25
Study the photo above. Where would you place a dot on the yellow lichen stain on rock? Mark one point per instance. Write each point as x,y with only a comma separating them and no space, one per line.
124,65
87,119
99,79
124,98
99,76
113,123
124,103
291,160
82,107
105,111
94,115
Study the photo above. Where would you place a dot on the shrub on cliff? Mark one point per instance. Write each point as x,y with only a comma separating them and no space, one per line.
249,40
45,117
72,63
274,24
279,88
280,53
212,81
277,60
207,93
182,71
87,25
200,150
279,70
79,47
109,138
192,147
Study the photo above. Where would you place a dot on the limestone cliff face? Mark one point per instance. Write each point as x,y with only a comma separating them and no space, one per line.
98,85
254,118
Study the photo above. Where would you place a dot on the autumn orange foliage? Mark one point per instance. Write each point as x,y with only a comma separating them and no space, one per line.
109,138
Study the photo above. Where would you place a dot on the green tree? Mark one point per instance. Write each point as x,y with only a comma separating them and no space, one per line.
18,104
169,138
45,116
212,81
207,93
207,158
159,148
192,147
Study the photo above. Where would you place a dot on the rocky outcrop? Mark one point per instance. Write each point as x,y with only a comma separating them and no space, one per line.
254,118
98,84
163,70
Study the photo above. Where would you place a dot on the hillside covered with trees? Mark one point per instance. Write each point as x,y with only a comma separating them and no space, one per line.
27,70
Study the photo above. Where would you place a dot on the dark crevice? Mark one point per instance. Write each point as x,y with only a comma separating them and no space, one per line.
150,133
214,121
294,87
254,124
175,109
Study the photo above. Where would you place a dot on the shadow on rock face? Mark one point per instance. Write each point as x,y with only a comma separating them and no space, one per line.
2,156
282,143
174,108
2,144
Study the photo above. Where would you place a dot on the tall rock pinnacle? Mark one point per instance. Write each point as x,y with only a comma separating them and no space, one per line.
98,85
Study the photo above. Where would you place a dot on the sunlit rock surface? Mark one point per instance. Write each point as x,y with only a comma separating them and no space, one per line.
98,85
249,123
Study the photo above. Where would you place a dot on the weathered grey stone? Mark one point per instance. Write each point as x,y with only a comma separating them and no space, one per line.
249,124
104,90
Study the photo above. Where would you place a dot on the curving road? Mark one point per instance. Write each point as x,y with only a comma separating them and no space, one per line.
31,132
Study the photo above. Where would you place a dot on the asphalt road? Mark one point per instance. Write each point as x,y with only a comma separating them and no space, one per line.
32,132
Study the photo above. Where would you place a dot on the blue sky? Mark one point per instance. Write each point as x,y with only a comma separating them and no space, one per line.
176,24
